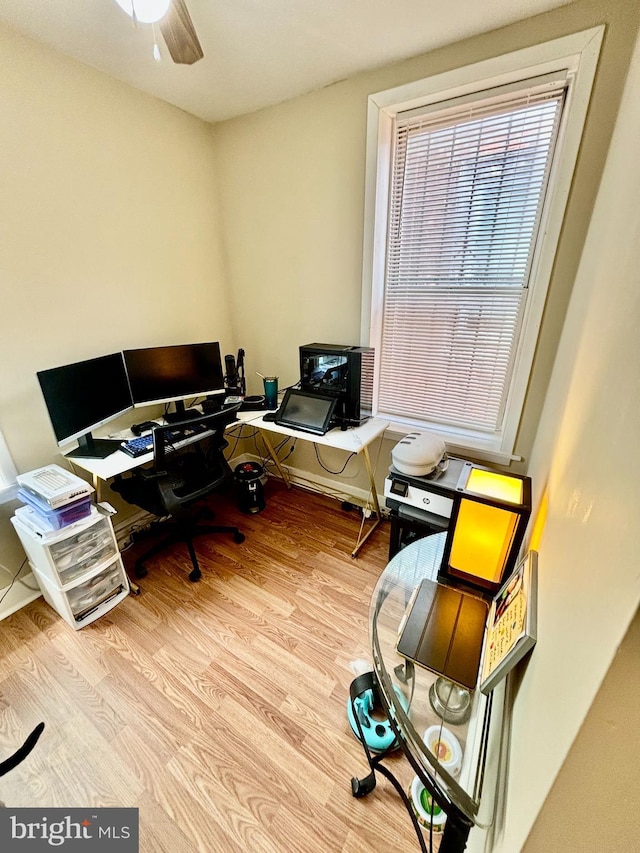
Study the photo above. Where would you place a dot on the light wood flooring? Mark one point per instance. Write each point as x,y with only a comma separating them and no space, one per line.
217,708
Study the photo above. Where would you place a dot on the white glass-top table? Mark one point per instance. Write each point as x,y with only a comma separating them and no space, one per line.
452,737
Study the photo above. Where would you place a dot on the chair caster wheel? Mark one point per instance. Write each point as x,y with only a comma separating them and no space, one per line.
238,537
195,575
140,572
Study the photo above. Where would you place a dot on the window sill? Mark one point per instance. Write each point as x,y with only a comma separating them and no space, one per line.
457,445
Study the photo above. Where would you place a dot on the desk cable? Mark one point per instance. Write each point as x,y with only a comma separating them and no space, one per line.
325,468
267,461
13,580
237,437
264,457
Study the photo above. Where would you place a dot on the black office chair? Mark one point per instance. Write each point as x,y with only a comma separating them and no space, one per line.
182,473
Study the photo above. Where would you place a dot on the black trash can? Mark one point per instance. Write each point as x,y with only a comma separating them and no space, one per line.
249,487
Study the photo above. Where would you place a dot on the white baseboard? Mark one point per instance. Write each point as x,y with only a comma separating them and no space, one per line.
23,591
315,483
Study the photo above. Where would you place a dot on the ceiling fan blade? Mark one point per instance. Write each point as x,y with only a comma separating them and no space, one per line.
180,35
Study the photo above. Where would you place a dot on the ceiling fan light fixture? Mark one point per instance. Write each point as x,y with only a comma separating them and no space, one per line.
145,11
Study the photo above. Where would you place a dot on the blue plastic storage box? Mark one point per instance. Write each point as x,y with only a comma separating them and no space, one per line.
60,517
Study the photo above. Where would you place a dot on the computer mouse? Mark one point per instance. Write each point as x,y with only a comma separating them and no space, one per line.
145,426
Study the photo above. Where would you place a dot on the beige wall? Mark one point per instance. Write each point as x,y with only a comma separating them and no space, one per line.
292,188
594,800
109,228
586,461
109,239
291,181
108,232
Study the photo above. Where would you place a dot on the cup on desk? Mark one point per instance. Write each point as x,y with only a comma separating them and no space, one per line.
271,392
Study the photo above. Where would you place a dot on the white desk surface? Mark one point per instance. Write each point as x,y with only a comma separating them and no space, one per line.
351,440
120,462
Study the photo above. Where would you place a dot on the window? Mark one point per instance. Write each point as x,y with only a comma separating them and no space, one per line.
467,180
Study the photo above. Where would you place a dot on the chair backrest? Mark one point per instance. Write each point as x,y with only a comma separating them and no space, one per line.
188,458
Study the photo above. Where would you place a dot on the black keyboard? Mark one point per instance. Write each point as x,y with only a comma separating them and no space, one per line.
144,443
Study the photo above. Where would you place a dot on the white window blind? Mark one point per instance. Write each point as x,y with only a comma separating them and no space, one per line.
467,190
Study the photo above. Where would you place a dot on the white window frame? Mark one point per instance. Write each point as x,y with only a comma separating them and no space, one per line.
8,471
576,57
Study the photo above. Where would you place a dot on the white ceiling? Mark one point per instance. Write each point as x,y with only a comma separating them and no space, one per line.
259,52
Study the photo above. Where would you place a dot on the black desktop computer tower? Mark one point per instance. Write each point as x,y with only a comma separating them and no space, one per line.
345,372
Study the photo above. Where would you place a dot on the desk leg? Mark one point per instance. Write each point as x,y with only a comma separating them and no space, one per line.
96,482
367,461
376,505
274,456
97,485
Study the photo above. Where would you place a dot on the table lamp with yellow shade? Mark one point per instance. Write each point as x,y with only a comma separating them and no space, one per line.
488,521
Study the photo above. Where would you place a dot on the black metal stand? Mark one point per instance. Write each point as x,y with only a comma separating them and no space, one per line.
457,826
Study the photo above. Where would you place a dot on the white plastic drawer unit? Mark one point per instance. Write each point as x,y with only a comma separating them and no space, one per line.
68,553
90,597
78,567
80,553
90,593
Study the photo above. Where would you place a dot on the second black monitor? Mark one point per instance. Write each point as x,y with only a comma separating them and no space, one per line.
174,373
83,396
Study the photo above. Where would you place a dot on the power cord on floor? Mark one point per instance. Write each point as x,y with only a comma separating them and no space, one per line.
13,580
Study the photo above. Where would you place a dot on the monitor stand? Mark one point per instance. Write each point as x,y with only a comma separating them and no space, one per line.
181,413
94,448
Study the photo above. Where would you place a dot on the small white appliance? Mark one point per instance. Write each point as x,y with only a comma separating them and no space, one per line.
54,485
419,454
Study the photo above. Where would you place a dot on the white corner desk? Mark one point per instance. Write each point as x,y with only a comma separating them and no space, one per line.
119,462
352,440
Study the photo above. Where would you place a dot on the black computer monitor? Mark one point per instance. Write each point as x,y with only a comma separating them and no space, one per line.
174,373
82,396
